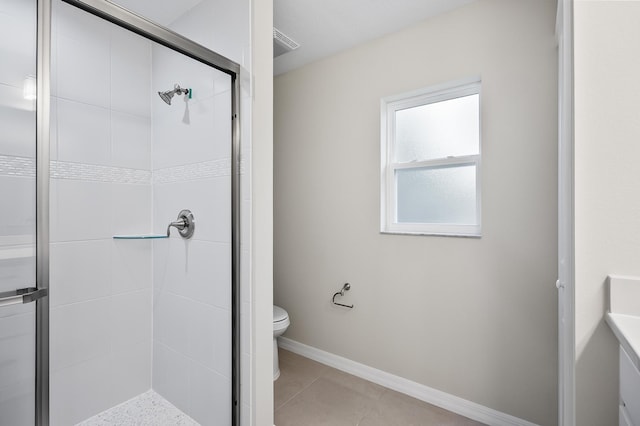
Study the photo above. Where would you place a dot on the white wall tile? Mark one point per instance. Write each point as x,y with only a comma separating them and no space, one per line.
16,402
17,357
170,68
83,133
208,199
206,135
129,319
17,273
171,320
222,124
73,22
217,210
80,210
19,193
168,128
80,271
18,123
209,273
17,47
81,391
53,129
83,57
55,23
202,123
79,332
130,72
131,371
171,376
209,396
209,334
170,265
130,209
131,265
130,141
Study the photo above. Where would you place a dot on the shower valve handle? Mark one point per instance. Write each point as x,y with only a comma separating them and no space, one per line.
179,224
185,224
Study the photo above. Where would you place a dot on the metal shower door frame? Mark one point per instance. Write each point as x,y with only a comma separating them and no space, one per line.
165,37
43,114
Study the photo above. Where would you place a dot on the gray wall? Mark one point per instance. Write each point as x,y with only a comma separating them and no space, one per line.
472,317
607,195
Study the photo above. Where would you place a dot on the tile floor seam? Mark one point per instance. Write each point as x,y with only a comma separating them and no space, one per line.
297,393
376,406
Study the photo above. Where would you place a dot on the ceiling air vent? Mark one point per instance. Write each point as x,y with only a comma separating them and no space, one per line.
282,43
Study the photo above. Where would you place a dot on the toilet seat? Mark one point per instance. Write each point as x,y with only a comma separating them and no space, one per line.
279,314
280,325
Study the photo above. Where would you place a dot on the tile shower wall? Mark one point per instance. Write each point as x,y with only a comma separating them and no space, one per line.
192,278
224,27
106,181
101,291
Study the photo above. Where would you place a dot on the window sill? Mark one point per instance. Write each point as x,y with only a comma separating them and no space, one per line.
433,234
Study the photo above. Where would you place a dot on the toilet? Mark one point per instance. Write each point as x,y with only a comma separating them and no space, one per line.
280,324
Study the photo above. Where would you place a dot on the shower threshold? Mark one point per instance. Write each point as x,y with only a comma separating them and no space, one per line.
146,409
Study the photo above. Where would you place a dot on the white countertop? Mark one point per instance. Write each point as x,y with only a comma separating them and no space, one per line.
627,330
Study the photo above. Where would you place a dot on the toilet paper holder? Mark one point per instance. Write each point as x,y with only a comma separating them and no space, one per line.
345,287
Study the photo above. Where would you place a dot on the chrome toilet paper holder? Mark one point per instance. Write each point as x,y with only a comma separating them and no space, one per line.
345,287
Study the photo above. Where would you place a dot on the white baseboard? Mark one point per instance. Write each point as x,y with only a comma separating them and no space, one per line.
424,393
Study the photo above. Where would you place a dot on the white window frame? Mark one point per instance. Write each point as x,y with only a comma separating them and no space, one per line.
388,196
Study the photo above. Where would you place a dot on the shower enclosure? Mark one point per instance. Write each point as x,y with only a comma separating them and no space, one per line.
119,243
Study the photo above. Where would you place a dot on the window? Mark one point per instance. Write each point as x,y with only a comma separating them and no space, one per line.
430,146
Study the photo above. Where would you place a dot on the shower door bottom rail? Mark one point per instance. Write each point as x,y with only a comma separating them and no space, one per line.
23,295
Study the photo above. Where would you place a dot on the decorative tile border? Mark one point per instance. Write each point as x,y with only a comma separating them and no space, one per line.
17,166
14,166
196,171
97,173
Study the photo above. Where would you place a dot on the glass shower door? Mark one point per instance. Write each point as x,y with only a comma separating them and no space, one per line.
18,21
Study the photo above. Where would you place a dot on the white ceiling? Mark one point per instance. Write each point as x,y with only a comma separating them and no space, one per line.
325,27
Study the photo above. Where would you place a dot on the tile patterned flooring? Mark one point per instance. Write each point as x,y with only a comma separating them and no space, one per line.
147,409
312,394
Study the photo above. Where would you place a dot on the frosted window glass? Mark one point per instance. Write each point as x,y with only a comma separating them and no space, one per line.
438,130
437,195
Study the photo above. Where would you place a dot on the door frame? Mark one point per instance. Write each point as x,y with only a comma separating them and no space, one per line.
43,114
566,236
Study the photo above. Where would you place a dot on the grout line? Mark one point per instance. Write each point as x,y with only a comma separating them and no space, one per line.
298,393
326,368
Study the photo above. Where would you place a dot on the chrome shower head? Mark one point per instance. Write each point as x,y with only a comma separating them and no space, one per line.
167,95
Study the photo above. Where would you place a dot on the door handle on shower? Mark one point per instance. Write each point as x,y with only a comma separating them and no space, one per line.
23,295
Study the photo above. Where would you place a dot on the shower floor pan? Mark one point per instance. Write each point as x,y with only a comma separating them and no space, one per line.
147,409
